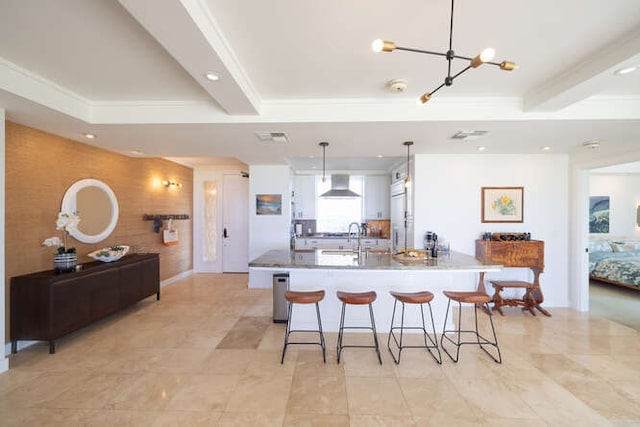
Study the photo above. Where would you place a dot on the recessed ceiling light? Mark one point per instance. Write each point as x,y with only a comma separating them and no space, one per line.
545,148
482,148
212,76
89,136
626,70
379,156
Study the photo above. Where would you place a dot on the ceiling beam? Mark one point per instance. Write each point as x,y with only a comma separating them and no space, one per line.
587,78
189,33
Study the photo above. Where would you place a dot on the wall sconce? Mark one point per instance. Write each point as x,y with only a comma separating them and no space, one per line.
170,184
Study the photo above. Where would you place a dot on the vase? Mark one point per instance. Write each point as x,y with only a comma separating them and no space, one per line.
64,263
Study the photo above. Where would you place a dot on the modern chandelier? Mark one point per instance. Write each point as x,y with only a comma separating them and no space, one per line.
485,57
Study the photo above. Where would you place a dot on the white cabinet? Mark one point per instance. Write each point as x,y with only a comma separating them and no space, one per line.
310,243
376,196
323,243
381,244
304,190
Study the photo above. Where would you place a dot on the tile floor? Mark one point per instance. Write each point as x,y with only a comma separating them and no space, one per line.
207,354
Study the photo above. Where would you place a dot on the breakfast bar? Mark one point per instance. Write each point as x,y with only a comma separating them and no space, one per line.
380,271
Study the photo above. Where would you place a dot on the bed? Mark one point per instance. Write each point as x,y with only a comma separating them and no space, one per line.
615,261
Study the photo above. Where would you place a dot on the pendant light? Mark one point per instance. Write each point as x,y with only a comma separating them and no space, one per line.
324,150
484,57
407,179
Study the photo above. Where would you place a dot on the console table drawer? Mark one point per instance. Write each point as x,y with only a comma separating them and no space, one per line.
512,254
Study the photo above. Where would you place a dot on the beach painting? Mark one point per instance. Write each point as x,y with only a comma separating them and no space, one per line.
268,204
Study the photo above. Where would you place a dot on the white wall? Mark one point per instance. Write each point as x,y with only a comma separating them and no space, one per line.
448,196
624,198
4,362
268,232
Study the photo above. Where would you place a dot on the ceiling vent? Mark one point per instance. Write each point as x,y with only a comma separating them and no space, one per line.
469,135
591,145
273,136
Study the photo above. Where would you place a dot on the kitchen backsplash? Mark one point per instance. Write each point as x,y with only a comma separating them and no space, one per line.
304,227
379,228
375,228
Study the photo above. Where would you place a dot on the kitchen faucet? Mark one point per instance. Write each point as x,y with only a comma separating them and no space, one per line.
359,230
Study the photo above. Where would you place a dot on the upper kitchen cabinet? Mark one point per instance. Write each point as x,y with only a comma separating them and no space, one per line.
376,196
304,191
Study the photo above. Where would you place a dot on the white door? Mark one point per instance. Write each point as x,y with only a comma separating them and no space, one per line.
235,224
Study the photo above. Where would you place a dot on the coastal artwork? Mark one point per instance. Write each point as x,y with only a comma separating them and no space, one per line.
502,204
599,214
268,204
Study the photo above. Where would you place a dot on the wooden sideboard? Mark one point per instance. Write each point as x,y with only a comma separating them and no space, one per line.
522,253
46,306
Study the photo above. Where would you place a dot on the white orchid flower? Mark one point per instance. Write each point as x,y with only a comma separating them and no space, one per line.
52,241
67,221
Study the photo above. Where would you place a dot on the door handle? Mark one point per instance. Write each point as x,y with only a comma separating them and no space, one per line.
224,233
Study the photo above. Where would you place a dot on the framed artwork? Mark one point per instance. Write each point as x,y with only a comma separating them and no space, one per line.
599,214
502,204
268,204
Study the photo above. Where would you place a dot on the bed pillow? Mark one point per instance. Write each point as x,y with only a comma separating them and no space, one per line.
600,246
625,246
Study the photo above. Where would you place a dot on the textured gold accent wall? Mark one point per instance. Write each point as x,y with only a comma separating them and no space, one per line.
39,169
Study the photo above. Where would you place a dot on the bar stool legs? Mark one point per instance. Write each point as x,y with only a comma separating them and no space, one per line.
298,297
477,299
431,344
357,299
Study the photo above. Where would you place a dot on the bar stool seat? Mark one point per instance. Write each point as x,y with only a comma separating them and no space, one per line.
303,297
357,298
420,298
478,299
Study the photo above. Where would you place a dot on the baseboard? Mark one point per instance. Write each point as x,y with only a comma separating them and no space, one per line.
175,278
21,345
4,365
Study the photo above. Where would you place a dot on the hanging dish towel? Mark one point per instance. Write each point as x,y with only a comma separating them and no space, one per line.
170,235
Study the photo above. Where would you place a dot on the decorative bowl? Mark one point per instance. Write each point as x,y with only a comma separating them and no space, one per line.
112,253
411,255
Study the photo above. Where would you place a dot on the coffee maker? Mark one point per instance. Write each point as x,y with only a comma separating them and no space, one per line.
431,243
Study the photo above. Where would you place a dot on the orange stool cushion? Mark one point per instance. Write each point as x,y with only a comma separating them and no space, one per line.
304,297
471,297
413,297
357,297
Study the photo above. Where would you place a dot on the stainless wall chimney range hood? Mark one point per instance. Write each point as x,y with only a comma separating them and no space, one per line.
340,188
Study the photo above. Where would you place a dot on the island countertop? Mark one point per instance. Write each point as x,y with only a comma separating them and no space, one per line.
368,260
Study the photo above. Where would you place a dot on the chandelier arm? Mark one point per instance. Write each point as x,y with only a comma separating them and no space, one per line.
436,89
460,72
428,52
451,29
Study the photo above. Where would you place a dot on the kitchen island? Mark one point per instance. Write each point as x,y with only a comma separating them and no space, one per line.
380,271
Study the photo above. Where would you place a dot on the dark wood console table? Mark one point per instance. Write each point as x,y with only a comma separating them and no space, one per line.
46,306
526,253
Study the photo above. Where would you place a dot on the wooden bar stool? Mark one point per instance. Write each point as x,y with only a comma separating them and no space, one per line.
301,297
420,298
477,299
357,298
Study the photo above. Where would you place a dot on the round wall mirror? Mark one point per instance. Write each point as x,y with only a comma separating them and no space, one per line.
97,207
